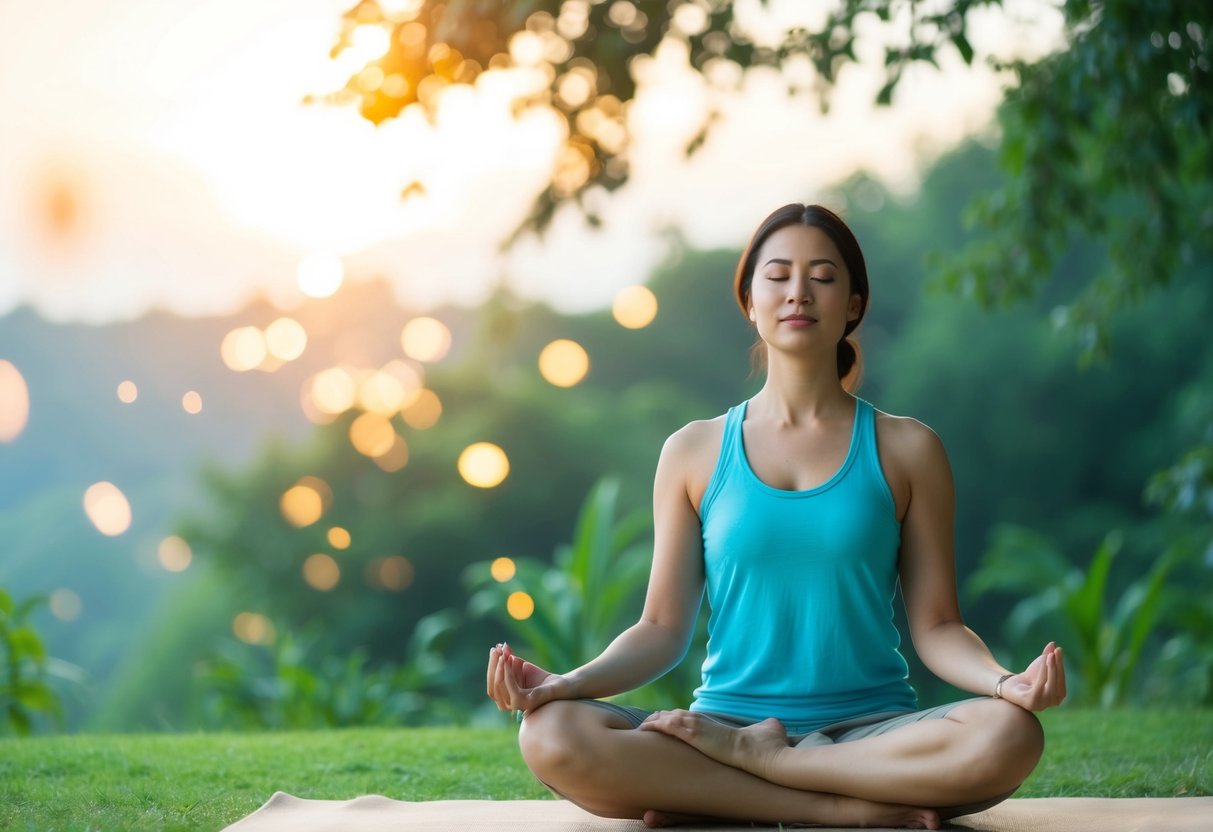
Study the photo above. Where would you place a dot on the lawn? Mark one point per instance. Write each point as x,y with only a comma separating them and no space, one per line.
206,781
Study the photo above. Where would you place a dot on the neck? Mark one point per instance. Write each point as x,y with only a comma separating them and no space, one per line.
802,387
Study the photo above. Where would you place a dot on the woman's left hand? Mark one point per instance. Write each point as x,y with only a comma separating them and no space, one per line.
1042,685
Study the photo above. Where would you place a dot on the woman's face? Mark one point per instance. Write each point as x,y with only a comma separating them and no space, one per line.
800,296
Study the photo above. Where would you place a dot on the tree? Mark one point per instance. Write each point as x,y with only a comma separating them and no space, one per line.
1108,138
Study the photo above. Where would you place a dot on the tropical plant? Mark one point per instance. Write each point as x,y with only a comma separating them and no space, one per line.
288,686
581,601
26,695
1071,605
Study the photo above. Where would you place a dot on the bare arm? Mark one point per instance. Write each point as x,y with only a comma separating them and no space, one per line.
951,650
659,640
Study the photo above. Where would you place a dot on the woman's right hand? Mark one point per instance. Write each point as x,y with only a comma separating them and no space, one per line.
517,685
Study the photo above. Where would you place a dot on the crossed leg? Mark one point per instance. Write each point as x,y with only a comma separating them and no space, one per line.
597,760
980,749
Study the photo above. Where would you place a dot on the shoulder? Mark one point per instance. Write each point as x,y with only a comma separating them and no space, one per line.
912,456
689,456
906,438
690,445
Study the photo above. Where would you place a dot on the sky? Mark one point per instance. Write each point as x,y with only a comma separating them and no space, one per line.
170,139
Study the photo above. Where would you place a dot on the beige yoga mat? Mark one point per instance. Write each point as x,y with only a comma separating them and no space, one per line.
374,813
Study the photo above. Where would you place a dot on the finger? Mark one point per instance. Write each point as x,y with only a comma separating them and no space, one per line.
503,694
1061,674
510,683
488,682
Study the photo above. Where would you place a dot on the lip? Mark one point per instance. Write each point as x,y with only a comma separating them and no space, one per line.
798,320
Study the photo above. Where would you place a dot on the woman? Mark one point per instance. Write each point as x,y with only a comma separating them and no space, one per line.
799,511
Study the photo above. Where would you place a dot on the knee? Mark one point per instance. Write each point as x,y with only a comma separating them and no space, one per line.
548,740
1009,744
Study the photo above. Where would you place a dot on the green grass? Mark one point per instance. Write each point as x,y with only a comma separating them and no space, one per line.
205,781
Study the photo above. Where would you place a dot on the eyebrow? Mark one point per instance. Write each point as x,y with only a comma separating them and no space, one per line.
782,262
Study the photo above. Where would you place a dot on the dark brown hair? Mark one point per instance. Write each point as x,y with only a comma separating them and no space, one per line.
850,360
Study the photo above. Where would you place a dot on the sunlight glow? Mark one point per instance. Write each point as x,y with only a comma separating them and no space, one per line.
635,307
520,605
321,572
191,402
320,276
127,392
253,628
483,465
65,605
563,363
174,554
425,339
370,42
107,508
503,569
14,402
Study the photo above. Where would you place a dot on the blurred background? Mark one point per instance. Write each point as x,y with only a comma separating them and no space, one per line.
338,342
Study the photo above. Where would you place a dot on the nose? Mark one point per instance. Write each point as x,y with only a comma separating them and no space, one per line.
798,292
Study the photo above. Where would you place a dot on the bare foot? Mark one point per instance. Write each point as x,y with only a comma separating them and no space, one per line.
750,748
851,811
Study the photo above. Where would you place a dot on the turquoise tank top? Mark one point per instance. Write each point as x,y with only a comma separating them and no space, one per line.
801,587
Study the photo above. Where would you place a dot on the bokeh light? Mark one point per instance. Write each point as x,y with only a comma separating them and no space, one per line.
339,538
520,605
286,339
321,572
502,569
410,376
395,458
253,628
306,501
635,307
243,349
381,392
174,554
332,391
107,507
370,41
563,363
483,465
424,411
319,276
393,573
127,392
191,402
372,435
425,339
14,402
65,605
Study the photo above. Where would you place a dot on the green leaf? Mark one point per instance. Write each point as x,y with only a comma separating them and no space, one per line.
963,46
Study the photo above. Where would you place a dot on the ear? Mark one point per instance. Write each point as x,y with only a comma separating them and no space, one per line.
753,314
854,307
